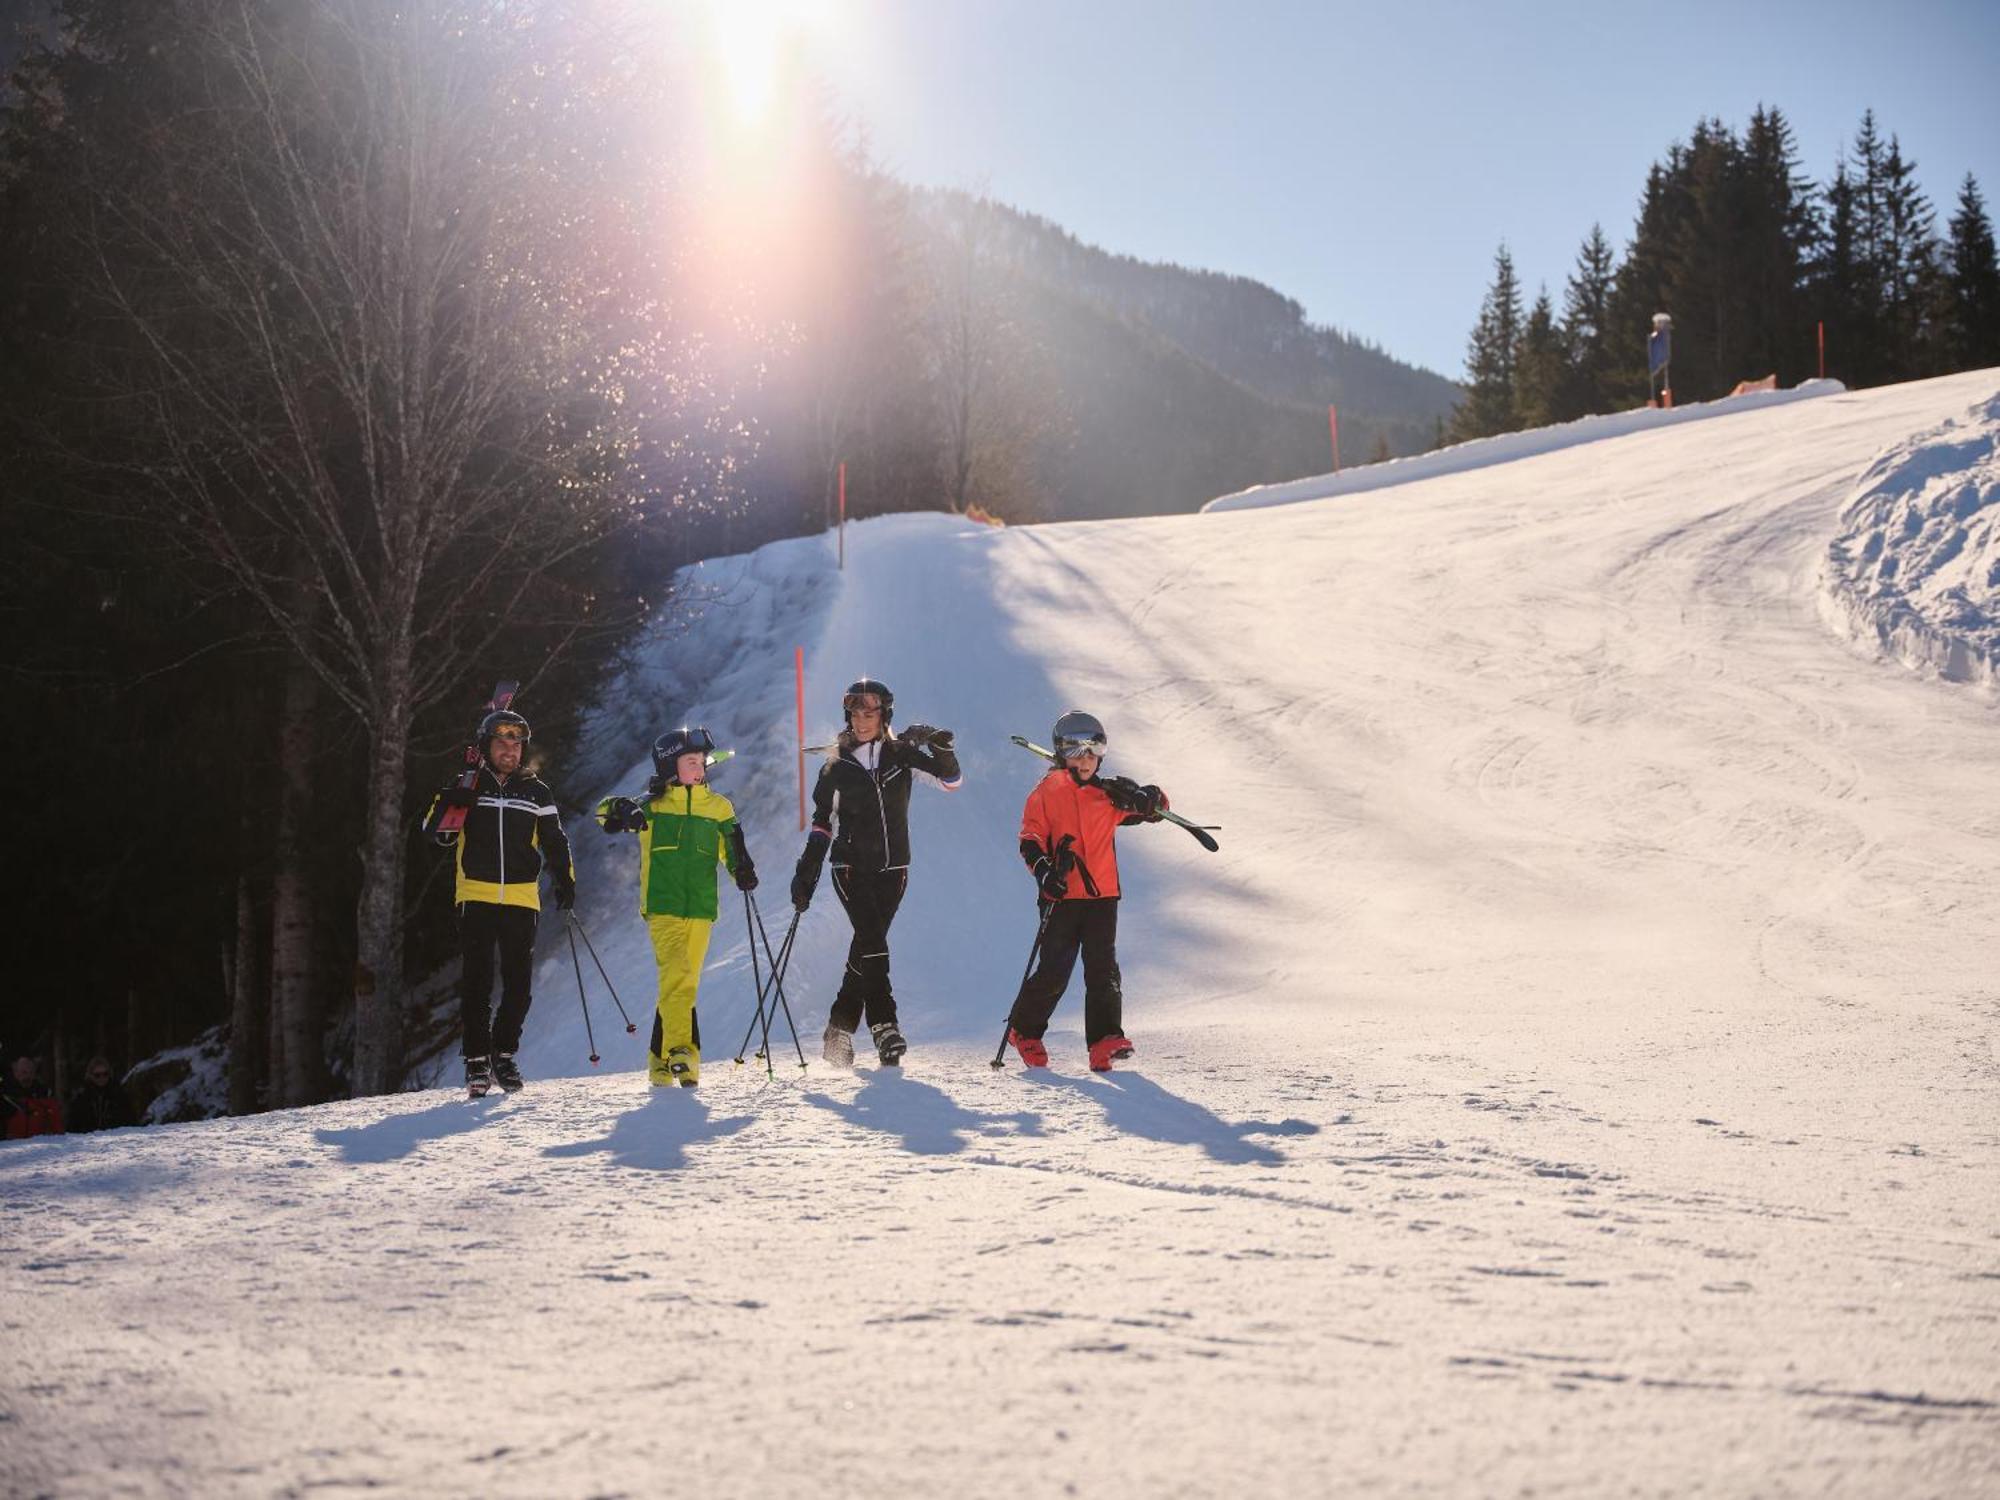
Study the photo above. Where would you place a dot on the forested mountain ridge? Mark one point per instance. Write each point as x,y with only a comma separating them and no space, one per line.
1182,384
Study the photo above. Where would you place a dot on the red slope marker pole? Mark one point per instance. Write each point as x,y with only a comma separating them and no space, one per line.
799,693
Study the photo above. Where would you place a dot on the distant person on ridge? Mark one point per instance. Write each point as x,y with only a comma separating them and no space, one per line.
1069,842
512,833
861,810
1659,362
685,829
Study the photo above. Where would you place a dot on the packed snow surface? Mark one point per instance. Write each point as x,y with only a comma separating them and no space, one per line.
1575,1075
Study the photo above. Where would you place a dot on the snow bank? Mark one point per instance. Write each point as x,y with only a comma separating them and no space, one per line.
187,1083
1482,452
1915,569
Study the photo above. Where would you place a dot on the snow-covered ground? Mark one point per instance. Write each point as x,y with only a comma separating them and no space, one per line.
1575,1075
1508,447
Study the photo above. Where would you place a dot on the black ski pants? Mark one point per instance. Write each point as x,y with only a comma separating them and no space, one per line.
482,927
1088,925
870,901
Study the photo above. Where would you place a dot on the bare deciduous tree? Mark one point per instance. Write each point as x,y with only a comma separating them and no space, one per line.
393,295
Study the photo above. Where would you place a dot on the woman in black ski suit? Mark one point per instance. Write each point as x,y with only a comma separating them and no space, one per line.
861,807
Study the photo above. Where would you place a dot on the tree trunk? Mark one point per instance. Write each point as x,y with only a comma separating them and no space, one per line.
296,1030
249,1002
378,965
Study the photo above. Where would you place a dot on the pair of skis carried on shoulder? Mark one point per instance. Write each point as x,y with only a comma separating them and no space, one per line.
1200,831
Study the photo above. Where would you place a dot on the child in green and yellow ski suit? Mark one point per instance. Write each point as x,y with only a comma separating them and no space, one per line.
684,830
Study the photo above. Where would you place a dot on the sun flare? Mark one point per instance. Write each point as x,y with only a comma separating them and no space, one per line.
752,39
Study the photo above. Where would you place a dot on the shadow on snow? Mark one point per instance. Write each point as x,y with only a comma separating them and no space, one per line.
395,1136
656,1136
929,1121
1136,1105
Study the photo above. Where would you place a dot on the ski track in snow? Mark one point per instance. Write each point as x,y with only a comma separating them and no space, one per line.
1575,1074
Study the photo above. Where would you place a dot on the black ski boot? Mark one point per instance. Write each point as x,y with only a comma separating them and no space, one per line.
507,1073
889,1043
478,1077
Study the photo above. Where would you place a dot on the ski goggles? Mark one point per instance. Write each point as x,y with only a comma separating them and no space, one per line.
862,703
512,732
1070,749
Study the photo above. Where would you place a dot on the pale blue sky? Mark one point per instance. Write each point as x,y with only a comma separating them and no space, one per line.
1368,159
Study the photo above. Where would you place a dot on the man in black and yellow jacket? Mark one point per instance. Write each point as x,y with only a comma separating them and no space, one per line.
512,834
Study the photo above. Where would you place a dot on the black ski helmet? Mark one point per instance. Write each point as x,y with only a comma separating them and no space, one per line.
675,743
1075,731
494,720
868,685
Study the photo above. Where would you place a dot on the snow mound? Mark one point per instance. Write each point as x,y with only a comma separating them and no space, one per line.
1481,453
1915,569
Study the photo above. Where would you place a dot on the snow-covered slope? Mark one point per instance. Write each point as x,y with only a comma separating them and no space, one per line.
1575,1075
1509,447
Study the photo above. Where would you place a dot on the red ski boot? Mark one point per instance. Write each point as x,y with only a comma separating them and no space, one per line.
1107,1051
1033,1053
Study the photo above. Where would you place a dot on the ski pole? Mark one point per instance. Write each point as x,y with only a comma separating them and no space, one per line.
778,966
1041,931
756,980
579,994
577,923
778,983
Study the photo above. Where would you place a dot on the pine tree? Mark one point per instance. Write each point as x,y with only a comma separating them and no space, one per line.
1972,334
1704,291
1869,343
1841,287
1586,384
1538,366
1643,287
1780,224
1490,357
1911,285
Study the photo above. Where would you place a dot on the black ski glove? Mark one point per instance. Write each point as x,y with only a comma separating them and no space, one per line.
925,734
1124,792
746,875
805,877
459,796
1052,873
623,815
562,889
1154,802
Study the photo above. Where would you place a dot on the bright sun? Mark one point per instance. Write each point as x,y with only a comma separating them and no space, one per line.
751,40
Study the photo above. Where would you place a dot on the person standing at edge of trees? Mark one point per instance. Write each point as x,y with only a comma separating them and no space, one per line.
1659,362
685,827
512,834
861,809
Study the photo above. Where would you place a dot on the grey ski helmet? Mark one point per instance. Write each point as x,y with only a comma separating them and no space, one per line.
1077,731
870,686
493,722
675,743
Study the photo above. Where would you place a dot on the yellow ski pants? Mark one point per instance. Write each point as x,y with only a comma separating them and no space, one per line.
680,944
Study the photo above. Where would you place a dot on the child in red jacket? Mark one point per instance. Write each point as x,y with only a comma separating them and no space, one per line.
1068,839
